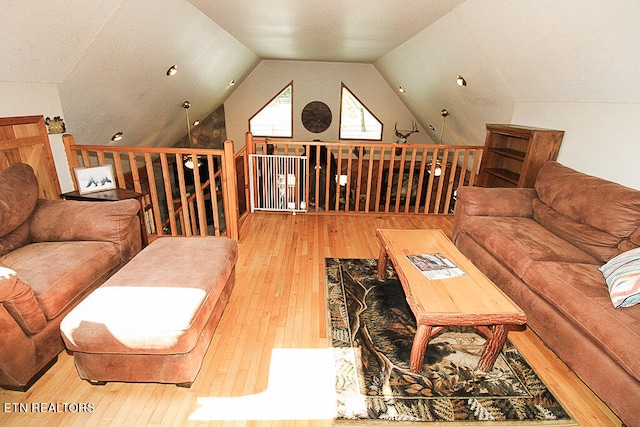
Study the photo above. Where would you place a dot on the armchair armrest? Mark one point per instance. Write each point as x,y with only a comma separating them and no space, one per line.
481,201
69,220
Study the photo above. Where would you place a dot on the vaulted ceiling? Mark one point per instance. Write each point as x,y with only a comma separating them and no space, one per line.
109,58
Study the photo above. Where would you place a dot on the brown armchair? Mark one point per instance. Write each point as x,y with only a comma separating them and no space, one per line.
52,254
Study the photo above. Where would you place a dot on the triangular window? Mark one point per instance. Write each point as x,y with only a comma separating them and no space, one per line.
356,121
275,119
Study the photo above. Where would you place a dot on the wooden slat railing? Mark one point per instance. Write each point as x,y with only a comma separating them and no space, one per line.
379,177
177,201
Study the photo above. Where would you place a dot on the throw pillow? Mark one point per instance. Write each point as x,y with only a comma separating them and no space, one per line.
622,274
19,300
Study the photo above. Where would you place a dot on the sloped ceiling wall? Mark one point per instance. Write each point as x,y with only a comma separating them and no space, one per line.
125,69
426,67
560,51
513,51
41,41
324,31
109,58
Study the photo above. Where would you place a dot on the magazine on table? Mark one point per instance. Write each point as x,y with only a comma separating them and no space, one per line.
435,266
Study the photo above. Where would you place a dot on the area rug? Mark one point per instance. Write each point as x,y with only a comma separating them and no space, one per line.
371,330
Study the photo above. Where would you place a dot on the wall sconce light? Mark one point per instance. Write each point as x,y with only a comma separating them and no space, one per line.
117,137
461,81
401,89
172,70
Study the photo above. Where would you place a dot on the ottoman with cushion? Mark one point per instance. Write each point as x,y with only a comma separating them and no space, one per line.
153,320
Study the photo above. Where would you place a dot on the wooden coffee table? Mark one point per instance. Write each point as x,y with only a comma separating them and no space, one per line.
468,300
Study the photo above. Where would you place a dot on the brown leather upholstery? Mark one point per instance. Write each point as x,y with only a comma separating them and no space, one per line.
543,247
153,320
59,250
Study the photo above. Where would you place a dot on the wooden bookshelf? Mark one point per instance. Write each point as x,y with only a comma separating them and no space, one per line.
514,154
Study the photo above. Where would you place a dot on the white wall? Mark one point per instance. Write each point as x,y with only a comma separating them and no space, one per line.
38,99
600,139
319,81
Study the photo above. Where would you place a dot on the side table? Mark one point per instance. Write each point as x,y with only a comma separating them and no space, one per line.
112,196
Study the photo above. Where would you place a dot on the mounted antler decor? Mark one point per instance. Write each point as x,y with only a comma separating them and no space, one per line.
403,135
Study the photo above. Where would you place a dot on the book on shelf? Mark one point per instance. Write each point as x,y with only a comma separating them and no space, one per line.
435,266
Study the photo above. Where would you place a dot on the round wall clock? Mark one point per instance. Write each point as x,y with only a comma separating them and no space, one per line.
316,116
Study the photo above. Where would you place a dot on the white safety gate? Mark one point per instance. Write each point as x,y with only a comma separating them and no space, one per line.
276,182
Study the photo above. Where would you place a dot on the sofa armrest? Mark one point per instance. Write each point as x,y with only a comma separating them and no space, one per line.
482,201
69,220
18,299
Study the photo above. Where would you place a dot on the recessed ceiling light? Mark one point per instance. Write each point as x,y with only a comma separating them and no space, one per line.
461,81
232,83
401,89
196,122
172,70
117,137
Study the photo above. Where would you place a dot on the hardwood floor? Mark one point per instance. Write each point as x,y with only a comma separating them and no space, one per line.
271,337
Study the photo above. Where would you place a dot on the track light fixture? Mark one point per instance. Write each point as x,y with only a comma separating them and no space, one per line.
189,163
444,113
186,105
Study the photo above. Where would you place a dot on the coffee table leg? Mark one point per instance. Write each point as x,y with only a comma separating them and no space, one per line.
382,264
492,348
419,348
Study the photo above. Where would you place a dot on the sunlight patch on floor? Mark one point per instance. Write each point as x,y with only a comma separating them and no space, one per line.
301,387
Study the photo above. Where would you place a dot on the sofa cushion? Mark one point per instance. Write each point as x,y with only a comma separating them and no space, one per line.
64,220
622,275
599,244
64,271
18,197
578,292
15,239
517,242
18,299
603,205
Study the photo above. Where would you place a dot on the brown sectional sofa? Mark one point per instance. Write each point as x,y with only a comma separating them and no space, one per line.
543,247
52,254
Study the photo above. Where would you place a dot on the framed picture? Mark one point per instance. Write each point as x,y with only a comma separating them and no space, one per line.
98,178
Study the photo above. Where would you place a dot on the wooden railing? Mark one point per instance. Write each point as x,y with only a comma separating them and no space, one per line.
178,201
341,177
378,177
